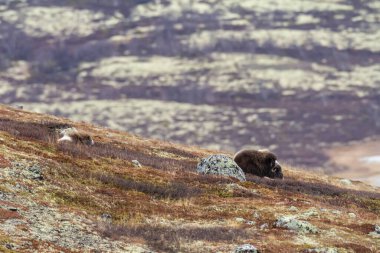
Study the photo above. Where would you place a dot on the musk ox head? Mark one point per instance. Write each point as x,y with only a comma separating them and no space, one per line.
261,163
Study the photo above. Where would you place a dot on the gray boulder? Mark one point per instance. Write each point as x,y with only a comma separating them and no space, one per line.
290,222
375,233
136,163
246,248
220,165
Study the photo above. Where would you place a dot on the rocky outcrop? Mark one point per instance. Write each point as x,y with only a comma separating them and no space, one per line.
290,222
246,248
220,165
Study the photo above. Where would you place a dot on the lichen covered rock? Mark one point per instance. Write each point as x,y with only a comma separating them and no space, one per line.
246,248
220,165
375,233
136,163
290,222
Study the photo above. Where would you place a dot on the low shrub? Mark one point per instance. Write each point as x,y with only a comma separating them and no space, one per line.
171,239
174,190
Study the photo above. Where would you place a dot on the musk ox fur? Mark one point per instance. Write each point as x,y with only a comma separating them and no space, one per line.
262,163
73,135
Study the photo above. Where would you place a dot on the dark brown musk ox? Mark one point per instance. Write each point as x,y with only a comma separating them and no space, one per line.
262,163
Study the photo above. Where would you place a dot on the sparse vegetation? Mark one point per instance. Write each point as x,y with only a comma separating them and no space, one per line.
170,239
175,190
332,194
164,205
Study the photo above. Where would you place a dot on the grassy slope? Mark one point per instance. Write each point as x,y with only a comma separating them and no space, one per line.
165,205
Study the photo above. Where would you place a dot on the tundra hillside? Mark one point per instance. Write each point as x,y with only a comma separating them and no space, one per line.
77,198
297,76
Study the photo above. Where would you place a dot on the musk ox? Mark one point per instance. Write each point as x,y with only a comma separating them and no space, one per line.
73,135
261,163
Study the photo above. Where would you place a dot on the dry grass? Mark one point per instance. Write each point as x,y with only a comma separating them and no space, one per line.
44,131
201,208
326,192
170,239
175,190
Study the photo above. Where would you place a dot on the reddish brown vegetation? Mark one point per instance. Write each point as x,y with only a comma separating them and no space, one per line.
4,162
174,190
169,239
44,131
8,214
337,196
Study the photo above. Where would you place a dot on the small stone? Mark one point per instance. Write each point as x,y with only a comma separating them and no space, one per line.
136,163
352,215
250,222
34,172
106,217
293,209
264,226
375,233
246,248
323,250
346,181
13,209
232,187
311,212
336,212
256,215
9,246
241,220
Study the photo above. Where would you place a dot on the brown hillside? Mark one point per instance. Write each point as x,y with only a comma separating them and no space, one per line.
73,198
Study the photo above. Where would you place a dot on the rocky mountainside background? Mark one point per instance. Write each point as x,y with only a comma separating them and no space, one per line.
66,197
299,77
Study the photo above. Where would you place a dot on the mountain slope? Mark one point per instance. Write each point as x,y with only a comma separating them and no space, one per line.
279,74
74,198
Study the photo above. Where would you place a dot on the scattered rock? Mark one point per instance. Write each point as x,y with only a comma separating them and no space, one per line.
246,248
293,209
322,250
34,172
136,163
311,212
250,222
346,181
336,212
256,215
290,222
10,246
375,233
220,165
264,226
352,215
13,209
235,188
106,217
241,220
